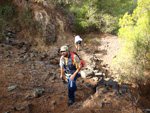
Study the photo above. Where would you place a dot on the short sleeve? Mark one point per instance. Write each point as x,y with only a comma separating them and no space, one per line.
60,63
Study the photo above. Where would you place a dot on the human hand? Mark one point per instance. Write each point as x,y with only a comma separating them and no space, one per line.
71,78
61,76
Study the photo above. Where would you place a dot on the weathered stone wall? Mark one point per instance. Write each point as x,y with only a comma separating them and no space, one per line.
52,22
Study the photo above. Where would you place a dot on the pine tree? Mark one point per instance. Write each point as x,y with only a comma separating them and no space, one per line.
135,35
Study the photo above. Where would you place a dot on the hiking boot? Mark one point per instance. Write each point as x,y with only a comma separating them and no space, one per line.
70,102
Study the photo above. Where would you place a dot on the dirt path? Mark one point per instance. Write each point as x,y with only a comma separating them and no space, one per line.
28,84
29,80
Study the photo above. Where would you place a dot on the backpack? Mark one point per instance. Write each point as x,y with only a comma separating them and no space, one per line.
81,60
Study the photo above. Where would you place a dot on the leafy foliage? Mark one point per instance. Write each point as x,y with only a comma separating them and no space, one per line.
100,15
6,15
25,19
135,35
10,17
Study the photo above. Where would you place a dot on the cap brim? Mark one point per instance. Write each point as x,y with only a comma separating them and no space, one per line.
62,50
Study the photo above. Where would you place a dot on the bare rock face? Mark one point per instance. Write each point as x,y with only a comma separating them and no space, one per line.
24,105
48,28
49,22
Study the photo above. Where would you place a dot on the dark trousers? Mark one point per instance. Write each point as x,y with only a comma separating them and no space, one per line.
72,88
79,42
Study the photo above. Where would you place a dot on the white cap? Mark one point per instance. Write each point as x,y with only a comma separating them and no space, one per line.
64,48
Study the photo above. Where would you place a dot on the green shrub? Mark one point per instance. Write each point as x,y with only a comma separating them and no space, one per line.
109,23
100,15
26,20
134,33
86,40
7,12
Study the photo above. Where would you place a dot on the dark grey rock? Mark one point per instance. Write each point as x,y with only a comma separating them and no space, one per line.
13,43
14,35
38,92
86,93
48,76
99,96
88,85
61,98
22,106
78,85
124,88
110,82
7,112
1,51
147,110
103,91
9,65
116,89
1,45
97,88
81,81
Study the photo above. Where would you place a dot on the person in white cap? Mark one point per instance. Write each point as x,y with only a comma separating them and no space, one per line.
78,41
70,66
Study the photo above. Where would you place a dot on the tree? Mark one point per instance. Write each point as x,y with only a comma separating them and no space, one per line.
135,35
99,14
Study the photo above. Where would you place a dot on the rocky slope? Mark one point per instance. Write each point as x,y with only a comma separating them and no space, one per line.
30,83
29,78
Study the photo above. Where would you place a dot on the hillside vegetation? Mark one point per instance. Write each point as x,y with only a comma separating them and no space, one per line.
32,32
128,17
134,32
96,15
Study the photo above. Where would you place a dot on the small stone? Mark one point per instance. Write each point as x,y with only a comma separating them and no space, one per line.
12,88
81,81
99,96
60,98
88,85
53,102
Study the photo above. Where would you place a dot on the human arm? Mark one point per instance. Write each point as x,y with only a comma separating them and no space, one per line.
62,72
75,73
61,68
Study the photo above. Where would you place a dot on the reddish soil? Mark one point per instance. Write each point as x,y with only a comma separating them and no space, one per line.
31,74
28,74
